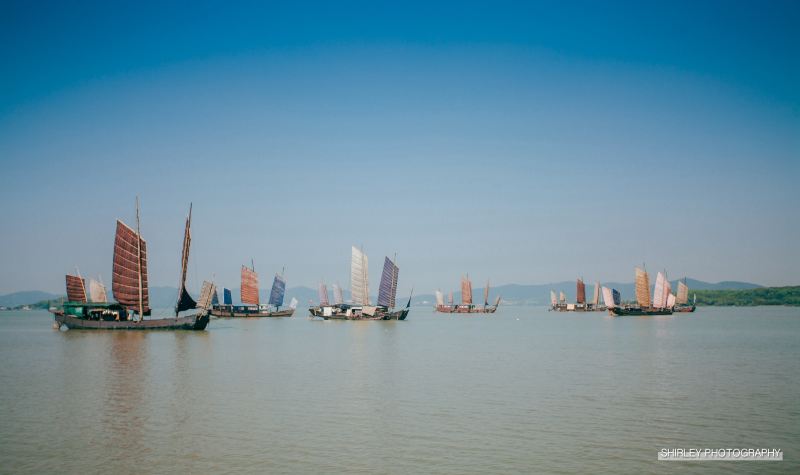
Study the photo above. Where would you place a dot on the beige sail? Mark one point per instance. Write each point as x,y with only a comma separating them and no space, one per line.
683,293
642,288
249,290
553,298
439,298
130,268
660,291
671,300
466,291
562,297
97,291
486,293
596,295
206,295
359,276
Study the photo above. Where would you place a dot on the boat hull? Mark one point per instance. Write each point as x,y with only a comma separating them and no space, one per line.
319,312
682,309
190,322
228,313
633,311
465,309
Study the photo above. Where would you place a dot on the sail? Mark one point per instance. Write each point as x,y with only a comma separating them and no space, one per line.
227,298
466,291
338,298
293,303
642,288
659,292
359,277
387,292
215,298
596,296
76,289
486,293
671,300
615,294
97,292
497,301
562,297
323,295
580,292
130,268
608,297
185,301
683,293
668,292
450,298
439,298
278,290
207,293
249,290
553,299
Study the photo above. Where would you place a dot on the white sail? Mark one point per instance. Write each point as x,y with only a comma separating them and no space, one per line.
439,298
683,293
608,297
671,300
659,292
553,300
293,303
97,291
562,297
359,277
337,295
596,297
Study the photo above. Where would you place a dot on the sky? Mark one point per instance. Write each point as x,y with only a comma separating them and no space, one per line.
523,142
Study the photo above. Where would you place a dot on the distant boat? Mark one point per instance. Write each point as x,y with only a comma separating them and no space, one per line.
466,305
580,305
682,299
646,306
251,308
361,308
129,286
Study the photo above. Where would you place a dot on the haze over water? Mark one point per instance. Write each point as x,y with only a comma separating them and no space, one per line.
523,391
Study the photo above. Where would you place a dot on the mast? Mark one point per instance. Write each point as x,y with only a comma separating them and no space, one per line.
185,301
139,258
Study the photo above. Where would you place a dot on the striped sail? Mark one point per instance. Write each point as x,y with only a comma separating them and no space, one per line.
642,288
338,298
439,298
207,293
227,298
76,289
323,295
249,290
683,293
185,301
608,297
387,292
97,291
466,291
596,296
486,293
359,278
671,300
553,298
278,291
580,292
562,297
659,292
130,268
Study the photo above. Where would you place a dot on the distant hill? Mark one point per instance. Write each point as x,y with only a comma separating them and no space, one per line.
749,297
25,297
512,294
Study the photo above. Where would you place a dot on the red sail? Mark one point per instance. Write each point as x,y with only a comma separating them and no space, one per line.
581,292
125,280
249,292
76,289
466,291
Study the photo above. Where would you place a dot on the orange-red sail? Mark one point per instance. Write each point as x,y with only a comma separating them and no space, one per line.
130,268
76,289
249,291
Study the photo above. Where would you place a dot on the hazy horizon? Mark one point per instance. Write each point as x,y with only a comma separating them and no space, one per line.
524,144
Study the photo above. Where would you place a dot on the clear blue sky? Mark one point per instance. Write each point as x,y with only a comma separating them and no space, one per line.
526,143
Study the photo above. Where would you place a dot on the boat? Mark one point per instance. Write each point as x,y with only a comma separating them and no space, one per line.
130,289
466,305
361,308
682,299
250,307
646,306
580,305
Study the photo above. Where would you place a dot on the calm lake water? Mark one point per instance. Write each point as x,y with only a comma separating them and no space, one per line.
525,390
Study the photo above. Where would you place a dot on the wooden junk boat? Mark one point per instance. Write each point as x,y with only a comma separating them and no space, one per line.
129,287
682,299
466,305
580,305
661,304
361,308
251,307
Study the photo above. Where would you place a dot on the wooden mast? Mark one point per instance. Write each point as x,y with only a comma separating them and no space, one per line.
139,258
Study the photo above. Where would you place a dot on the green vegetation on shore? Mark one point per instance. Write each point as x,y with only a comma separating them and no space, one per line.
750,297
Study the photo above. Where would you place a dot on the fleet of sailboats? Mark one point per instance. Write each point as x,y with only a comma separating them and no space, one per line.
581,304
466,306
249,296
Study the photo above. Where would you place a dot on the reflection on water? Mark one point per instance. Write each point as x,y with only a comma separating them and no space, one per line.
524,390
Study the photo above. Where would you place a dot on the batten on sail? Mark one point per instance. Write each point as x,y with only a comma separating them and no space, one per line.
249,290
338,298
683,293
642,288
387,292
359,277
580,292
97,292
278,291
466,291
129,267
323,295
76,289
